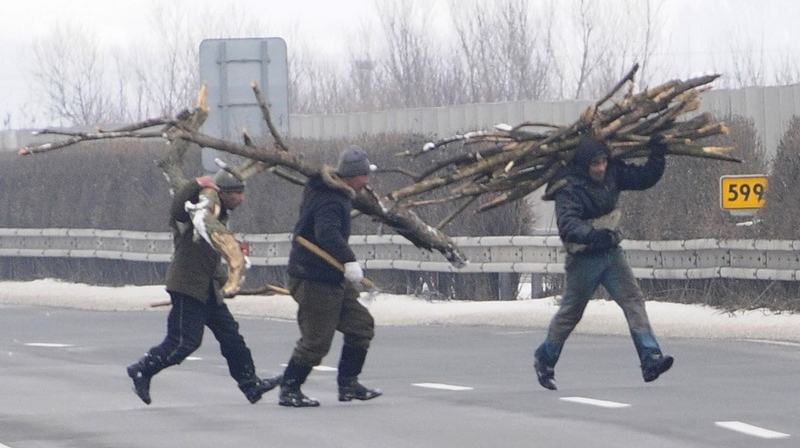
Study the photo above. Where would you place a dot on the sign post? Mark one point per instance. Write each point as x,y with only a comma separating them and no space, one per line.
228,66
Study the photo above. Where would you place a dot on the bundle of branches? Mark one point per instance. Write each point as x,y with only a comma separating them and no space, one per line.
520,159
182,133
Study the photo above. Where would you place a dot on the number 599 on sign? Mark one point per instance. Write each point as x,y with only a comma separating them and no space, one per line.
742,191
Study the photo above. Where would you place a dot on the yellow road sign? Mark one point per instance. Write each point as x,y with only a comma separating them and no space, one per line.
742,192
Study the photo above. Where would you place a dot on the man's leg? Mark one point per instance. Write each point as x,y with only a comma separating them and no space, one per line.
184,335
582,277
623,288
319,306
358,327
236,353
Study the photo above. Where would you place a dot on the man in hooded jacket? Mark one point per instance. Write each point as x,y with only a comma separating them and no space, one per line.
587,218
326,297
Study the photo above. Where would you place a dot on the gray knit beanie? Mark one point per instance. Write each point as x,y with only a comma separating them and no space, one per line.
228,182
353,162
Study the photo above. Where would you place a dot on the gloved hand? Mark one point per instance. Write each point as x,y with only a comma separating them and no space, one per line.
353,272
658,147
602,239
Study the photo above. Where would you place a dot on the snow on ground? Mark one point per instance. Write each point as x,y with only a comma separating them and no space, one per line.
601,316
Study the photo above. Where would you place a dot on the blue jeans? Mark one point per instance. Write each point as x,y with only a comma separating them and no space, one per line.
584,273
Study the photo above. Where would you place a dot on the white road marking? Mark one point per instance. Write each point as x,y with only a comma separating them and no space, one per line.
514,333
319,368
751,430
593,402
194,358
767,341
4,446
47,344
442,386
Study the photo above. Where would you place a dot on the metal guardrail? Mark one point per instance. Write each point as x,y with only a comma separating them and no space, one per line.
678,259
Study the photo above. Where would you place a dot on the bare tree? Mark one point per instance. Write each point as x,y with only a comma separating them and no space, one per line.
747,63
504,52
170,75
364,75
650,32
787,69
411,60
612,36
69,74
592,49
316,85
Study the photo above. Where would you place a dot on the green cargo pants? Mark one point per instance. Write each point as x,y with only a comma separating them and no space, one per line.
324,308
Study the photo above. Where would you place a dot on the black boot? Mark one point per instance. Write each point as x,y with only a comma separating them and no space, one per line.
654,365
350,364
141,372
253,389
351,389
293,377
545,371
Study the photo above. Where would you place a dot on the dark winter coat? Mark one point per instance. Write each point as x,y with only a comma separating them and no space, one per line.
584,199
196,269
325,221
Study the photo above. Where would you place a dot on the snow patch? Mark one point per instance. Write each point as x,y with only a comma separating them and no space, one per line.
601,316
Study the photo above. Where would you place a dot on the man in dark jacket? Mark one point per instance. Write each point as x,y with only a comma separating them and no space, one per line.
587,221
197,283
326,297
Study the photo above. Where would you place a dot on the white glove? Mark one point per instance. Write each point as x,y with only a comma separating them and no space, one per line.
353,272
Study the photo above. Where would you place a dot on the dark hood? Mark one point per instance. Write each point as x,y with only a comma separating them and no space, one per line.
588,149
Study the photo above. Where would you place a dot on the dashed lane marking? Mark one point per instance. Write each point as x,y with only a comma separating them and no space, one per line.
515,333
752,430
594,402
319,368
47,344
442,386
767,341
194,358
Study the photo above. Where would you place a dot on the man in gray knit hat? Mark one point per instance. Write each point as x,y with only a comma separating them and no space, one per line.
326,297
197,282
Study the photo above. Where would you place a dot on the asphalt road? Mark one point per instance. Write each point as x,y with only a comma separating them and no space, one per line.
63,384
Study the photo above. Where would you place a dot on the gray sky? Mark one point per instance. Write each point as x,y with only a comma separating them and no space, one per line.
698,35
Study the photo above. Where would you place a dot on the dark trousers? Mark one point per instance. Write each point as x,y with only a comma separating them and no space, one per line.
584,273
324,308
185,326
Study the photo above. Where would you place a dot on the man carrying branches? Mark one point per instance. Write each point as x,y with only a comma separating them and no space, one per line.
197,284
327,298
587,220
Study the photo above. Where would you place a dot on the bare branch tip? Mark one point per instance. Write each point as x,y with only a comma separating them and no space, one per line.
202,98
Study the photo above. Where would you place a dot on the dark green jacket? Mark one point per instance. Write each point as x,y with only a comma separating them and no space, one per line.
196,269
